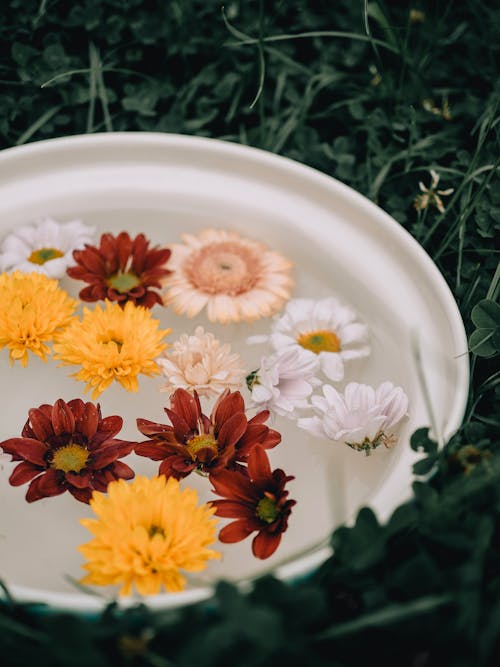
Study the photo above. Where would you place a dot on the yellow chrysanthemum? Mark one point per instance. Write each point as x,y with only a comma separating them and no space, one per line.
147,531
33,309
113,343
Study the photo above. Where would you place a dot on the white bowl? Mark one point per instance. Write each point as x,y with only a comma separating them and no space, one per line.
341,244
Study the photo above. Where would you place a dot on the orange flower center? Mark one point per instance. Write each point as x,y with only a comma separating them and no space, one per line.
43,255
267,510
124,282
70,458
202,441
320,341
224,268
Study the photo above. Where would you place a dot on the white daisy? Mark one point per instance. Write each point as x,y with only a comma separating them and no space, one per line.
201,363
362,417
45,247
283,382
325,330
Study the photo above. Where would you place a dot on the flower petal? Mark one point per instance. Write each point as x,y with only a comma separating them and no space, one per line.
231,509
150,428
259,467
83,495
232,430
332,365
63,420
79,480
90,421
236,531
121,470
24,472
224,409
151,450
29,449
48,484
186,407
233,485
265,544
41,424
176,466
109,454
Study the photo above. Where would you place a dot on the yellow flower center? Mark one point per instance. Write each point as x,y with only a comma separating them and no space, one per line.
123,282
203,441
70,458
43,255
267,510
320,341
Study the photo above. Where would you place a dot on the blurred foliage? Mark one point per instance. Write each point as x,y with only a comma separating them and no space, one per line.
375,94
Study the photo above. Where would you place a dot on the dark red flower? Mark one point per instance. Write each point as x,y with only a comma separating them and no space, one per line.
206,444
257,499
121,269
68,447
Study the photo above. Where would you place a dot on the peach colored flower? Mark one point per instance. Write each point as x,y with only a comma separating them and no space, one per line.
200,362
233,277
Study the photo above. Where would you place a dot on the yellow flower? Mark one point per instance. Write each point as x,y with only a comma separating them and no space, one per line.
145,533
113,343
33,309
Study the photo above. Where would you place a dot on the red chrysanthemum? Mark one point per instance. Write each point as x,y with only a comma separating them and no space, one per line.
121,269
206,444
257,499
68,447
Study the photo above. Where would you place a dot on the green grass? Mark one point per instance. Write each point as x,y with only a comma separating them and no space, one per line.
376,96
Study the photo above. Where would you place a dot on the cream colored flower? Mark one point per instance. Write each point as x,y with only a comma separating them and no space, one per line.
201,363
236,279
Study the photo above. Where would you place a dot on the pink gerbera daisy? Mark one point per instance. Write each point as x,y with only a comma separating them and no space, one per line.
236,279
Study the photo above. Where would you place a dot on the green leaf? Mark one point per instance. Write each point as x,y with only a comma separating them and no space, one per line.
424,466
392,613
420,442
486,314
482,342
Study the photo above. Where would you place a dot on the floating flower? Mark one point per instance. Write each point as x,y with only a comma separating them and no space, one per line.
201,443
257,500
112,343
325,330
235,278
121,269
33,309
145,533
283,382
430,196
45,247
68,447
201,363
363,418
